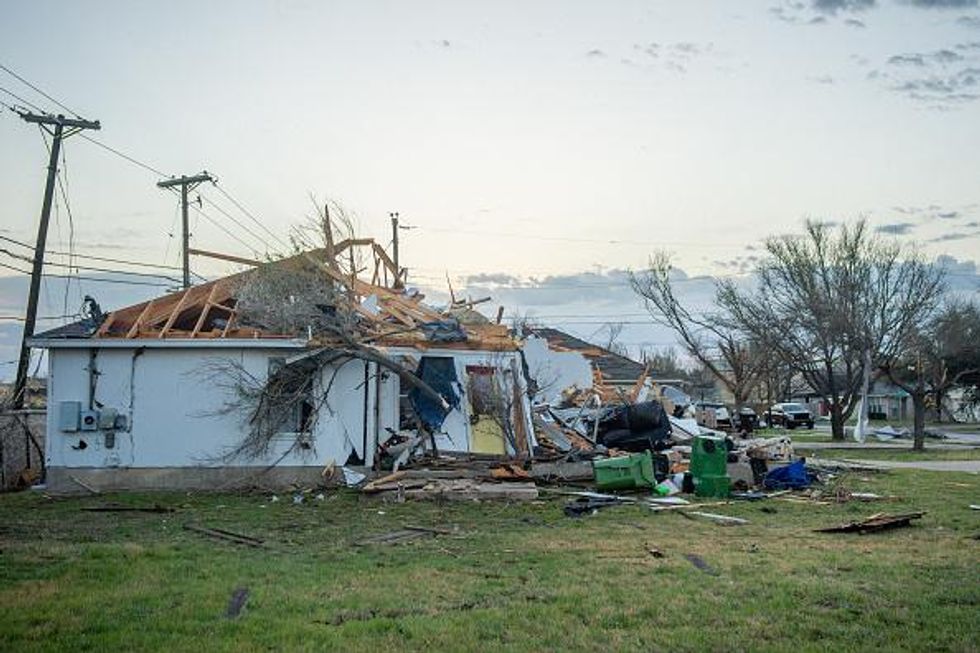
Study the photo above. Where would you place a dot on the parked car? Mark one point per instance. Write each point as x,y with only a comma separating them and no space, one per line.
747,419
790,415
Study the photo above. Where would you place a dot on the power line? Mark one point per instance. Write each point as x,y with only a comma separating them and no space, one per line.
75,266
127,157
237,222
91,257
249,214
18,318
224,229
74,113
20,99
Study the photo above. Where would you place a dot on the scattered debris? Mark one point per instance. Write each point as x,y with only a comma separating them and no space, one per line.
874,523
237,603
118,507
84,486
699,562
221,534
405,534
724,520
590,505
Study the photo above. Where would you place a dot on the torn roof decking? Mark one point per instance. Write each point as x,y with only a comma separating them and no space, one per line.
208,311
608,366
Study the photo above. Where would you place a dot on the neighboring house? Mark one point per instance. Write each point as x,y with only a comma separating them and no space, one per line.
140,399
558,361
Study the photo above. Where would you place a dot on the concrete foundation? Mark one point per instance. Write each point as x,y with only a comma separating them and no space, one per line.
78,480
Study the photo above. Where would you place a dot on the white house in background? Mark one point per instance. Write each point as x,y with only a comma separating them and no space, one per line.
133,401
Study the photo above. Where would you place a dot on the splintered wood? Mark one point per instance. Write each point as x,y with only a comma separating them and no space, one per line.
388,316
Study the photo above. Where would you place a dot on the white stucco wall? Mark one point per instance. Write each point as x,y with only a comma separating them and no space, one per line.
170,404
555,371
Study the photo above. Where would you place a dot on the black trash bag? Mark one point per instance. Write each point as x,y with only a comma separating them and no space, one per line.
636,427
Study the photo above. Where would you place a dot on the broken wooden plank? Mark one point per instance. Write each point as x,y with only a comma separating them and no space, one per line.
223,257
877,522
118,507
724,520
229,536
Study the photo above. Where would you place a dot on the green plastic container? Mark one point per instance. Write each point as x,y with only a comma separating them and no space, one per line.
709,467
625,473
712,486
709,456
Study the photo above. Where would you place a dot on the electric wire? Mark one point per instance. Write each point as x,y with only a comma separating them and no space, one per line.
225,229
91,257
127,157
75,266
36,89
249,214
237,223
28,103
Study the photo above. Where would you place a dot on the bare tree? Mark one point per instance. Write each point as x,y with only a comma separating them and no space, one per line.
828,302
935,358
613,331
710,338
664,362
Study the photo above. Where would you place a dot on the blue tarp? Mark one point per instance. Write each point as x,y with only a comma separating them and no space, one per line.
440,374
791,477
448,330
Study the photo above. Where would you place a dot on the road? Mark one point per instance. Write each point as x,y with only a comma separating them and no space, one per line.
970,466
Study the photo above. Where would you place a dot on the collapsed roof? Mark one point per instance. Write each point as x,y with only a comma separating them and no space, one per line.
384,315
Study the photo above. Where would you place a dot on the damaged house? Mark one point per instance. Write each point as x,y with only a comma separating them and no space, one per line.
280,372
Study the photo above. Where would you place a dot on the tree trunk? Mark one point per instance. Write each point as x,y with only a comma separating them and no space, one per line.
837,422
939,394
919,420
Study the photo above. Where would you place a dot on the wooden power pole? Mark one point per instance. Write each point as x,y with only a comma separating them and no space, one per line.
60,128
186,184
394,250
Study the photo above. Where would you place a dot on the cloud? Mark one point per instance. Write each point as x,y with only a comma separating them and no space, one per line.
956,235
969,21
934,212
676,56
941,78
834,6
942,4
494,278
907,60
819,12
961,275
895,228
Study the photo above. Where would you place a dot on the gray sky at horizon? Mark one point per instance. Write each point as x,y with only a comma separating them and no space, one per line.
526,139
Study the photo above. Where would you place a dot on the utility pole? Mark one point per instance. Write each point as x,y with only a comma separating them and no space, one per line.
394,250
186,184
58,134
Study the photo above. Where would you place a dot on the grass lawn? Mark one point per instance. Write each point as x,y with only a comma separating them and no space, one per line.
519,577
904,455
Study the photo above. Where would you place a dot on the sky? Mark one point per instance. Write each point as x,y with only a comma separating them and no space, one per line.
537,150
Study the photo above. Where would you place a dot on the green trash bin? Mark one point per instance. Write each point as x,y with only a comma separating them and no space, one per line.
709,466
625,472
